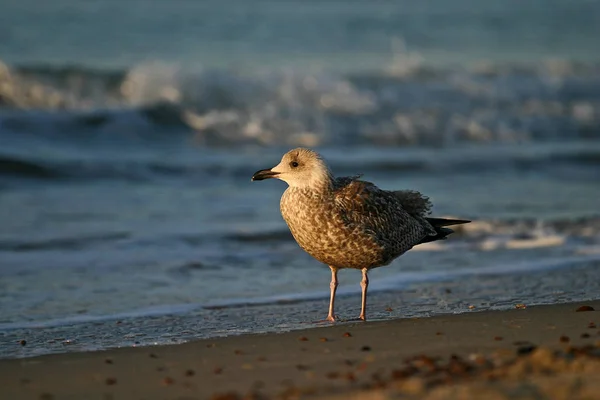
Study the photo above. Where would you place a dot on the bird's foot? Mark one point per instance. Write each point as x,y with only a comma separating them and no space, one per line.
362,317
331,318
328,320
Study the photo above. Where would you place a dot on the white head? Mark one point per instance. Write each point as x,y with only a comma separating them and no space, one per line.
301,168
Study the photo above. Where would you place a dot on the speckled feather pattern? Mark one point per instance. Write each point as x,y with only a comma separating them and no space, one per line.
350,223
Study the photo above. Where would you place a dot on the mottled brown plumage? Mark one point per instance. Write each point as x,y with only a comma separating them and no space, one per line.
349,223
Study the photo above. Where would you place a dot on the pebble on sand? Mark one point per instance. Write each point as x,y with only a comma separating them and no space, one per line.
585,308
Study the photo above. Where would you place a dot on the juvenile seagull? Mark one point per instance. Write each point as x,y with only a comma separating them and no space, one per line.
348,223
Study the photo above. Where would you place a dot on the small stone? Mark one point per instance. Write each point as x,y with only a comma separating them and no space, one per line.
564,339
389,309
498,338
520,306
303,339
592,325
347,334
365,348
152,355
323,339
111,381
22,342
238,352
108,361
525,349
190,372
471,307
585,335
167,381
218,370
439,333
584,308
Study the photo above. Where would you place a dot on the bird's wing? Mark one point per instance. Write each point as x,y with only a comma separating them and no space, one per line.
414,202
376,212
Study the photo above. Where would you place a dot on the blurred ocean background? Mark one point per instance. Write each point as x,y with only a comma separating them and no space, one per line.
129,131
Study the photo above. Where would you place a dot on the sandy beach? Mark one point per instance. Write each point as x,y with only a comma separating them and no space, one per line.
539,352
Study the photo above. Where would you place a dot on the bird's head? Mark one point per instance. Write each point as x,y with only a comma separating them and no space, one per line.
301,168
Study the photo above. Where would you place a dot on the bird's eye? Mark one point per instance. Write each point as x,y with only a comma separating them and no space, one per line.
294,164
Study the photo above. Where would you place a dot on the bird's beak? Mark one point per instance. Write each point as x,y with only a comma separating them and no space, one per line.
264,174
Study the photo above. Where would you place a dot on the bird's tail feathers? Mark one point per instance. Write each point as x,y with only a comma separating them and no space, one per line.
441,232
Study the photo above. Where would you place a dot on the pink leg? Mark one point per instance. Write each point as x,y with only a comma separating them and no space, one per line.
364,284
333,286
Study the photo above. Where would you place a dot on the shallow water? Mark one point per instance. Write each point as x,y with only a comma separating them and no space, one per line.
126,208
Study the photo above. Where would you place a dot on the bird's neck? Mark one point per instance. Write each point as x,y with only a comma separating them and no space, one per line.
320,184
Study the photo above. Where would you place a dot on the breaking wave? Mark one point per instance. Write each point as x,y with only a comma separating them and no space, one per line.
416,106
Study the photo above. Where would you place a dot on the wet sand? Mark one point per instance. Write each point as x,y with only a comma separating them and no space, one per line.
535,352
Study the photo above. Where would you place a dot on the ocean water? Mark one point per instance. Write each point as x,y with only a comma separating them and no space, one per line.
129,132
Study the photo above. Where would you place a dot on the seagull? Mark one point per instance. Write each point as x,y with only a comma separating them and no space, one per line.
346,222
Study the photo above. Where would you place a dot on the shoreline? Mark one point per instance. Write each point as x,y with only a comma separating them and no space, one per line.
431,299
344,359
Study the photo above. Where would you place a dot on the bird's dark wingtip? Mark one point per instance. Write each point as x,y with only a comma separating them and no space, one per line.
447,221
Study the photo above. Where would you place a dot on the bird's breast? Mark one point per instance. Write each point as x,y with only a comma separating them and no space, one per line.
320,230
309,217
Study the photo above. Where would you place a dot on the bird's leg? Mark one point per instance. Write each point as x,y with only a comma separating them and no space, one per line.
364,284
333,286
